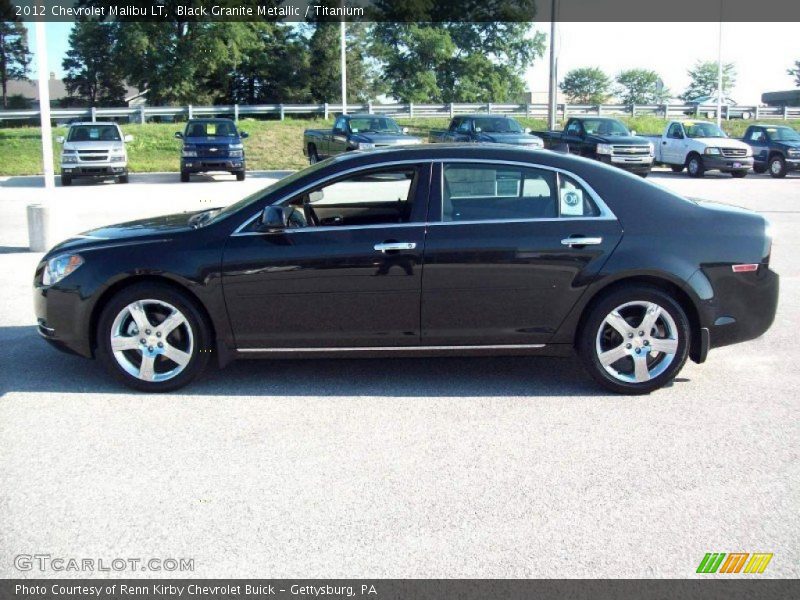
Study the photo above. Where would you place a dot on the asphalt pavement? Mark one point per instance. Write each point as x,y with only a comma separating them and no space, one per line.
480,467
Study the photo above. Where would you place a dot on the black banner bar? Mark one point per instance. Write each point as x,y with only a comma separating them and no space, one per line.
740,588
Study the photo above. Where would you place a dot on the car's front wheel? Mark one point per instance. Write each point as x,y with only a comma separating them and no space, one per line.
695,166
777,166
153,338
635,340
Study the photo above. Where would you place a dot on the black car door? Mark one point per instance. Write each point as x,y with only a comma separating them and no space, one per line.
510,249
345,272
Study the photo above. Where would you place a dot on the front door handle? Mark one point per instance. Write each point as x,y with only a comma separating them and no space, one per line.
581,241
388,246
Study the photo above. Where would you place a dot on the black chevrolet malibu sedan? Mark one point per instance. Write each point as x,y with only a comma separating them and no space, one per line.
428,250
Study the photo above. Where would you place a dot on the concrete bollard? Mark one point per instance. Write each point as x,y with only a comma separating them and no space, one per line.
39,234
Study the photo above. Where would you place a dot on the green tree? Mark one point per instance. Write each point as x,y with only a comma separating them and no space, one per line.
795,72
15,56
703,80
640,86
456,62
93,72
587,85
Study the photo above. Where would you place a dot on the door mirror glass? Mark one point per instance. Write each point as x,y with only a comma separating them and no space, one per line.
178,135
274,218
60,139
528,130
405,130
244,134
633,132
128,138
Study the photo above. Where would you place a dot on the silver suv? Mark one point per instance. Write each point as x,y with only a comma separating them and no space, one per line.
94,150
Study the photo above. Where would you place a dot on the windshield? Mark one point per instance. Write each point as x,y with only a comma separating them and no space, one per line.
219,214
93,133
374,125
783,134
210,129
498,126
605,127
703,130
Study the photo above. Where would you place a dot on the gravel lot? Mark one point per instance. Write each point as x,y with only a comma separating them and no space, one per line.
396,468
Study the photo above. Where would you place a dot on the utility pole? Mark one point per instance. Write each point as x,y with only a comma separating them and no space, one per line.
39,214
719,70
343,61
552,105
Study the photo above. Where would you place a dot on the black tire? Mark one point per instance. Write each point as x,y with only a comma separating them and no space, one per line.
591,336
694,165
644,174
777,166
66,180
759,168
240,175
123,179
677,168
195,322
313,157
184,176
738,174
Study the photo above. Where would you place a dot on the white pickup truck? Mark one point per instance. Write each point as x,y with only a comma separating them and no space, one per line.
700,146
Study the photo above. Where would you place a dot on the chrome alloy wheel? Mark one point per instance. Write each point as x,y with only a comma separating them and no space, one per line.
637,341
152,340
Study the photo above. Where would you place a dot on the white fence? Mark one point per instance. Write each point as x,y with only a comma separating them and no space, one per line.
141,114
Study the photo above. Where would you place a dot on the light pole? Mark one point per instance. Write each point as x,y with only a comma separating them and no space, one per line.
719,70
343,61
552,106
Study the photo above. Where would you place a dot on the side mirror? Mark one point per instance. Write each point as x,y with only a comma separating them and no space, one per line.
244,134
528,130
274,218
633,132
178,135
405,130
128,138
60,139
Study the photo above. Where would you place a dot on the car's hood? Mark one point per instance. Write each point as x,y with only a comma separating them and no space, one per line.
131,231
722,142
95,145
211,141
386,138
517,139
788,144
622,140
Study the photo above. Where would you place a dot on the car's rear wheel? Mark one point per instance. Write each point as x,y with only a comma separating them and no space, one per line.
313,157
153,338
777,166
695,166
635,340
677,168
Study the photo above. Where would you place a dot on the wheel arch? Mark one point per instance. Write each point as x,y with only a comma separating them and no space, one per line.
123,283
665,284
773,153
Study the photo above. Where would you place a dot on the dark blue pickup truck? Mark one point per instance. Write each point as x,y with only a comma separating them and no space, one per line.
776,148
212,145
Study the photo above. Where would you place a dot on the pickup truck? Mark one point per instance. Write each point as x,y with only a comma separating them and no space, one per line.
355,132
775,149
700,146
493,129
94,150
212,145
603,139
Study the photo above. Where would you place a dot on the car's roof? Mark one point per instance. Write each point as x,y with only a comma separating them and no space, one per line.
93,123
484,116
209,120
366,116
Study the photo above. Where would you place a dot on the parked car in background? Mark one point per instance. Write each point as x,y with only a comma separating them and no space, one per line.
604,139
212,145
493,129
706,106
776,148
94,150
355,132
700,146
438,249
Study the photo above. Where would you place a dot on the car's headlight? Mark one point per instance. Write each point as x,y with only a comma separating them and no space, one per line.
118,158
59,267
365,146
189,151
236,147
748,151
713,151
604,149
236,153
793,153
69,155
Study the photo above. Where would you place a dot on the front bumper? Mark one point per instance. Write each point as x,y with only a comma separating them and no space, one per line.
94,169
58,319
204,165
635,164
793,164
726,165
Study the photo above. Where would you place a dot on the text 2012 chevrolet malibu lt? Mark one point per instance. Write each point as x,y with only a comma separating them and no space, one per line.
437,250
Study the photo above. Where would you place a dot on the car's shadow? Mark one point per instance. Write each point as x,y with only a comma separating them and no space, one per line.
37,181
31,365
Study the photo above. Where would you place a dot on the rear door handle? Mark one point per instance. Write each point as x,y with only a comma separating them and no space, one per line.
388,246
581,241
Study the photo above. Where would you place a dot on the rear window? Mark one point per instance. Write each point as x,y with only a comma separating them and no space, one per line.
93,133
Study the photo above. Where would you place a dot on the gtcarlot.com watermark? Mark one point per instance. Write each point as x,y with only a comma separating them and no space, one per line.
58,564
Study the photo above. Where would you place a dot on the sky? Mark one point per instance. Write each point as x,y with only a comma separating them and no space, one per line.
762,52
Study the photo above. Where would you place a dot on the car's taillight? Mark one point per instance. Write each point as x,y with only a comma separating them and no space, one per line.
748,268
